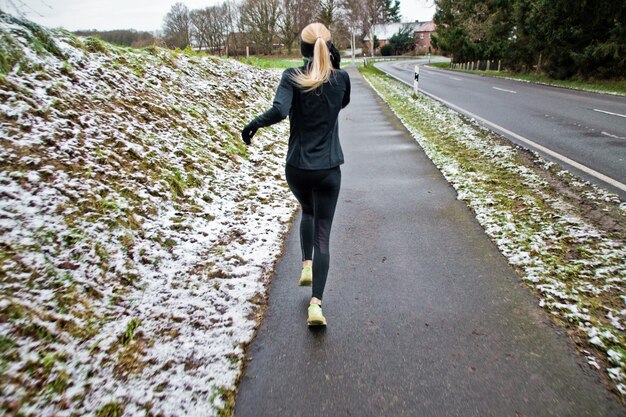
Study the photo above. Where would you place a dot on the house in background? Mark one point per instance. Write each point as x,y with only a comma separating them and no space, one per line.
422,32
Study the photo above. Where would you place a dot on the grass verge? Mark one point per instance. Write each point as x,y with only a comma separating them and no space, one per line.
565,237
607,87
268,62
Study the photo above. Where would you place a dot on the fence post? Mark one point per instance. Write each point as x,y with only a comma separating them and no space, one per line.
488,64
248,54
416,80
499,62
539,64
478,65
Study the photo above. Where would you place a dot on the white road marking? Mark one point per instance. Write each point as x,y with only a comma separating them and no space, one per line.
612,136
504,89
455,78
611,113
550,152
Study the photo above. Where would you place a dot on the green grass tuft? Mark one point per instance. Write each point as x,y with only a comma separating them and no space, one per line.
228,397
128,335
112,409
177,182
10,53
96,45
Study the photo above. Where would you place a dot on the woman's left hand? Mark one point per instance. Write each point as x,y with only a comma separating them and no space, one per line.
335,56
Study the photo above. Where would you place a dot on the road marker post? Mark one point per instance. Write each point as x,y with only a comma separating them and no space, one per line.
416,79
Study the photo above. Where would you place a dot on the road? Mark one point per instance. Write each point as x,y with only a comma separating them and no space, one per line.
425,316
584,132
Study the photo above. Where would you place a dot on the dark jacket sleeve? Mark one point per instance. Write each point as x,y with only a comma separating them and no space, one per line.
280,106
346,94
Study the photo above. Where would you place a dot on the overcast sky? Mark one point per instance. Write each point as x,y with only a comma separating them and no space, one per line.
141,14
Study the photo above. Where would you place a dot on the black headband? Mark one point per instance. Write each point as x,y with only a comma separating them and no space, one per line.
307,48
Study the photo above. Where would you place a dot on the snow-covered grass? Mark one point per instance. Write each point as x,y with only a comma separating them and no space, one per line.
137,233
565,237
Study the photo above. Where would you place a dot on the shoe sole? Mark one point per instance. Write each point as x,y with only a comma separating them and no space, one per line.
305,282
316,322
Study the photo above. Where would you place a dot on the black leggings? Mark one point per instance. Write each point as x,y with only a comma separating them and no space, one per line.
317,191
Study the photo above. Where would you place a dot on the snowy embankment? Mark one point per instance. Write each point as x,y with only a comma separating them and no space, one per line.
138,234
566,238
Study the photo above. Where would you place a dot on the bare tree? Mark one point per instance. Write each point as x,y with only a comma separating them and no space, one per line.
177,26
373,11
287,24
232,19
211,27
353,15
294,16
259,19
352,12
200,24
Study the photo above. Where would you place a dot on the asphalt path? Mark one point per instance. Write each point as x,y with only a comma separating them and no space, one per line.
586,128
425,317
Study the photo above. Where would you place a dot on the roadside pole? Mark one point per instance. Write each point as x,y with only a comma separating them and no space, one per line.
416,80
353,46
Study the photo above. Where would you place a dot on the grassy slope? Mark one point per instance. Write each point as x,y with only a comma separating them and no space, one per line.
137,232
565,238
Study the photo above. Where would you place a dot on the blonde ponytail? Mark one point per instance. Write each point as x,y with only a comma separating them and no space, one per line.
321,67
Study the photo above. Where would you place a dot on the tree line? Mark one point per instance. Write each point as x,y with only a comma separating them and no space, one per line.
268,25
561,38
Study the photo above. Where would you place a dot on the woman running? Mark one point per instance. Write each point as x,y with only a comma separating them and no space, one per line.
312,97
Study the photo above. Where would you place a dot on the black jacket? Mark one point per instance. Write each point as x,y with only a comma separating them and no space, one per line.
313,118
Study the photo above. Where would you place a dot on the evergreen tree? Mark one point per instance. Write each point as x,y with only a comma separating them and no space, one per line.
402,41
391,12
328,12
562,38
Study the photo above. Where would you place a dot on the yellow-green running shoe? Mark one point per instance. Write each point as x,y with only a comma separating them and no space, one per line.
316,318
306,277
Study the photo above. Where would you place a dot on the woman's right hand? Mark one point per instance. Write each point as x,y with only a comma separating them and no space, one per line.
247,133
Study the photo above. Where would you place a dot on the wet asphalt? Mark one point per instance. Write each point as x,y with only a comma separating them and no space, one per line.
425,316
